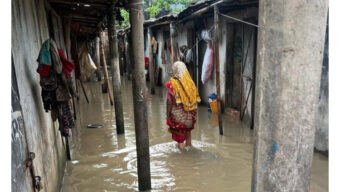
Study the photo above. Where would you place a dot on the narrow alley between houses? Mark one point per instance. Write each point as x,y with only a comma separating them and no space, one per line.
169,95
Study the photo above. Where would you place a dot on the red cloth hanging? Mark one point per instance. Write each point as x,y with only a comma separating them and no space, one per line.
68,66
44,70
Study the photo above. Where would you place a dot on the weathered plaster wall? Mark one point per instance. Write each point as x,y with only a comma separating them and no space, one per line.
29,31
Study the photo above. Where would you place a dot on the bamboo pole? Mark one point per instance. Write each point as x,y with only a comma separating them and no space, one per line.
151,70
139,96
106,84
217,65
114,62
97,58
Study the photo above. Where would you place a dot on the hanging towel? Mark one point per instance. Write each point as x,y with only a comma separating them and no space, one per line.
44,57
55,57
68,66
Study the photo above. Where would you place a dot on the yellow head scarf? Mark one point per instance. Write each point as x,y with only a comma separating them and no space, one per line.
184,88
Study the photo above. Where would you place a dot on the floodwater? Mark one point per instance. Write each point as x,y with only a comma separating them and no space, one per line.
104,161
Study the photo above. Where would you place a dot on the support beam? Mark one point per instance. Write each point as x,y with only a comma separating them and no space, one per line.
78,3
114,62
106,85
151,69
289,63
217,66
139,95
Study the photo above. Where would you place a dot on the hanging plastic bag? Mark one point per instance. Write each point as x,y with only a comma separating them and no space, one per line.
87,66
188,57
206,35
208,64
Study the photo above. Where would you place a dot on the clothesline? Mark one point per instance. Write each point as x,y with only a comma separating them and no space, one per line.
230,17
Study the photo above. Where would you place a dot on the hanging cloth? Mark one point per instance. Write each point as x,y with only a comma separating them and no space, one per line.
68,66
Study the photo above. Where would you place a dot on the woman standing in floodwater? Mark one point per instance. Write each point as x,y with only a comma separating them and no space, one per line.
182,98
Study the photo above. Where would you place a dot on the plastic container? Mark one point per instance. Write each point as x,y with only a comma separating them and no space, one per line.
213,106
212,97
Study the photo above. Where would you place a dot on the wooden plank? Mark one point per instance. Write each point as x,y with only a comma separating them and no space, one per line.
80,3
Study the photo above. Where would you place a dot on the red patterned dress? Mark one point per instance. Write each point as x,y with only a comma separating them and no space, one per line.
181,122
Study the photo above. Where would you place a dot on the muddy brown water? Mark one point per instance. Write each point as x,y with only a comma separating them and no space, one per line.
104,161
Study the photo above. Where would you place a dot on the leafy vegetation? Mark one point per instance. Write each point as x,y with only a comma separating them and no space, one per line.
153,7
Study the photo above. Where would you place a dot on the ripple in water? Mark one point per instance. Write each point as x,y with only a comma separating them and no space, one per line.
163,158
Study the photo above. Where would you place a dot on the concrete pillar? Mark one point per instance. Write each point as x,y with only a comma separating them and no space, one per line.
290,51
151,69
139,95
114,62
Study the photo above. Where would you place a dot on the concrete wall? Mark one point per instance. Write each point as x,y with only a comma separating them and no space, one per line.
29,30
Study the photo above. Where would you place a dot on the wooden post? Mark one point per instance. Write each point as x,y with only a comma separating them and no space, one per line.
151,70
106,85
114,62
217,65
139,95
197,65
68,37
131,56
97,58
172,33
230,63
253,81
